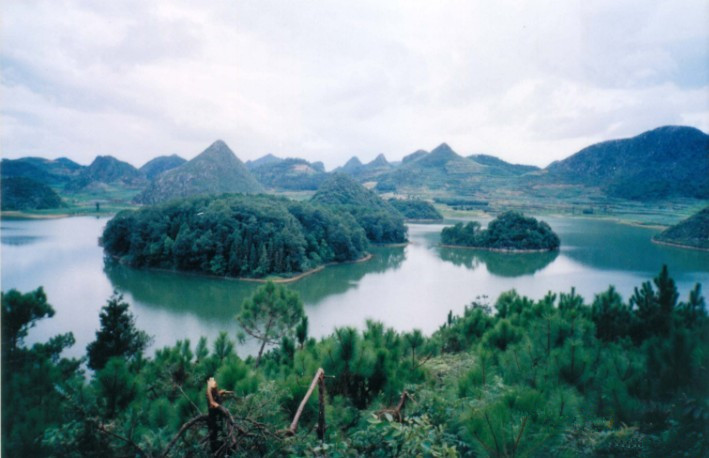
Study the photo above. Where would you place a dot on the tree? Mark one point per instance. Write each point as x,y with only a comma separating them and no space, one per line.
19,314
269,314
118,335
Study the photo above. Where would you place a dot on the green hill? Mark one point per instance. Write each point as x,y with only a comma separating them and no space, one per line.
107,170
21,193
160,164
416,209
216,170
289,174
441,169
511,231
382,222
693,232
234,235
51,172
267,159
664,162
499,167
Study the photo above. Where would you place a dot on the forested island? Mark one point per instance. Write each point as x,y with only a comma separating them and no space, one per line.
510,231
21,193
558,376
690,233
234,235
416,209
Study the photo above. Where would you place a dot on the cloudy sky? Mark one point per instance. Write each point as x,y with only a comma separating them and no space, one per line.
530,82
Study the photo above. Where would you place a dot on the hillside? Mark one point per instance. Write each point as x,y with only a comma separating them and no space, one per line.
289,174
415,209
693,232
234,235
160,164
442,169
52,172
264,160
214,171
670,161
21,193
382,222
499,167
107,170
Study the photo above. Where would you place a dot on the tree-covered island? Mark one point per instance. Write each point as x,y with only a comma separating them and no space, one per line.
234,235
511,231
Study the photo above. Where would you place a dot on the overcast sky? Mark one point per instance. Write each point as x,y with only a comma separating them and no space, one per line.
530,82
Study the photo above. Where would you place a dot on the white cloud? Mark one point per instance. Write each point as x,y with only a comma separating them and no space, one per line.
529,81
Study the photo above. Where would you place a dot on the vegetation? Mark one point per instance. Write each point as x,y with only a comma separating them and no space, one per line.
107,170
289,174
552,377
381,222
416,209
234,235
509,231
691,233
160,164
20,193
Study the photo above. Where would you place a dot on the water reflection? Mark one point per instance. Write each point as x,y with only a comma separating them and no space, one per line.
500,264
17,240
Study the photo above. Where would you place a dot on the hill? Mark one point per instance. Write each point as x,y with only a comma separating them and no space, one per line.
511,231
289,174
21,193
415,209
107,170
160,164
52,172
381,222
693,232
499,167
442,169
234,235
214,171
670,161
264,160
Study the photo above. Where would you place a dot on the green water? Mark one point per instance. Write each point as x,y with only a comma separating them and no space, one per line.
404,287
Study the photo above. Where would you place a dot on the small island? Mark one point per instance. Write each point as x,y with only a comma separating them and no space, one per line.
511,231
416,209
691,233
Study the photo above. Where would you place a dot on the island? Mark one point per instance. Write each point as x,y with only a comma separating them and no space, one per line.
22,194
691,233
416,209
235,235
511,231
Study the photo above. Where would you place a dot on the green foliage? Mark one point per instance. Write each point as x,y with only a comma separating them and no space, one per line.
234,235
381,222
416,209
289,174
693,232
547,377
270,314
20,193
118,336
509,231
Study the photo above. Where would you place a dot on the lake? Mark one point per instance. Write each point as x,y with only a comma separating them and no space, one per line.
405,287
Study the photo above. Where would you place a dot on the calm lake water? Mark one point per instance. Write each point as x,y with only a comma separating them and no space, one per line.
404,287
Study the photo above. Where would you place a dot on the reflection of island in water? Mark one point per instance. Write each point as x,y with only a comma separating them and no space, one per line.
219,299
498,263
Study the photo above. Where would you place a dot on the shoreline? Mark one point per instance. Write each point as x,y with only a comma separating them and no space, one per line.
280,280
499,250
678,245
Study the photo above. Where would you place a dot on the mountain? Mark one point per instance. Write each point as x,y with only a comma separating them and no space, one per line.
441,169
351,167
106,170
289,174
693,232
500,167
381,222
264,160
21,193
665,162
47,171
160,164
214,171
413,156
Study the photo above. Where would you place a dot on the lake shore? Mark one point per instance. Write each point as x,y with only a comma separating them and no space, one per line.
498,250
678,245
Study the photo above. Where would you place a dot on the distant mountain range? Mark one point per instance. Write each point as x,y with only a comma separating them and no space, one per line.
214,171
667,162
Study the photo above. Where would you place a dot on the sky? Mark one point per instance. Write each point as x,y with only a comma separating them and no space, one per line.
528,81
